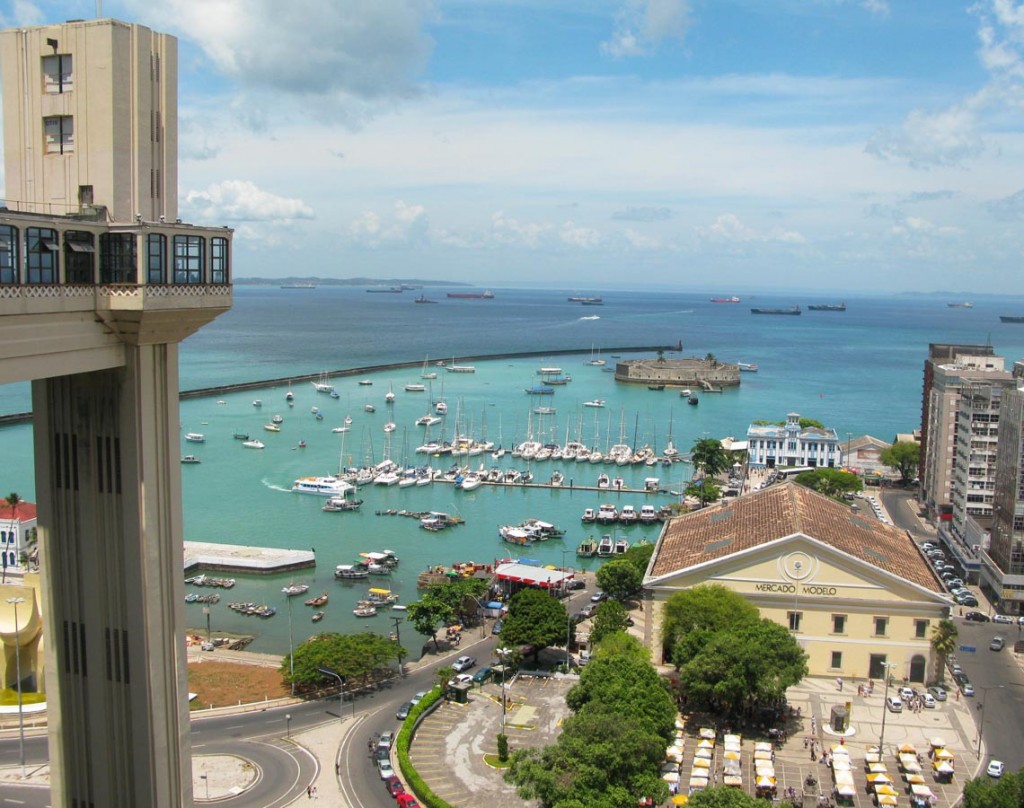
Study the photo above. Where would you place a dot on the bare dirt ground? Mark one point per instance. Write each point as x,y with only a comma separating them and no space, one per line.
223,684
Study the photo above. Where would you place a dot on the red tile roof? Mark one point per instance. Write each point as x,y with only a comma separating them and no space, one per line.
26,511
784,510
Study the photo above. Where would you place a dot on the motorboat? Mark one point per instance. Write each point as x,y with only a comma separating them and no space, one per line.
628,515
589,516
428,420
386,477
317,617
195,437
323,486
365,382
597,402
341,503
351,572
603,481
257,403
621,545
648,514
190,460
341,429
272,427
277,419
389,426
607,514
415,388
369,408
295,589
441,407
587,548
470,481
241,436
365,611
254,444
605,547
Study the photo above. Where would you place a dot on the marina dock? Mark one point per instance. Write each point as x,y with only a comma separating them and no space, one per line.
242,559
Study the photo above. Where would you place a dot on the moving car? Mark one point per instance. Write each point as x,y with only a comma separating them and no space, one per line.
404,710
463,663
894,704
598,597
995,768
496,628
997,644
977,617
1002,618
461,679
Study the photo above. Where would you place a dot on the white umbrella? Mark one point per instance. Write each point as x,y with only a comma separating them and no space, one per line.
707,733
733,739
846,790
705,743
701,763
762,746
670,777
703,753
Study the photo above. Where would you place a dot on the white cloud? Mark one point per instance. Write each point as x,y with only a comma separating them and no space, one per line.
367,49
407,225
22,14
240,200
728,228
643,214
585,238
923,140
642,25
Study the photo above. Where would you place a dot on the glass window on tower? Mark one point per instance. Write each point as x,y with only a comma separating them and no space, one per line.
59,134
57,75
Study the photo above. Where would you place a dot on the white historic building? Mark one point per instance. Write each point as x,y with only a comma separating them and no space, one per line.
773,446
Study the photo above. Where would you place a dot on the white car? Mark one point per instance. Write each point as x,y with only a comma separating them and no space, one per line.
463,663
1001,618
929,700
894,704
995,768
385,769
461,679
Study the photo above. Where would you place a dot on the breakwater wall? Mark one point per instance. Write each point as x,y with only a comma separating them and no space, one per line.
340,373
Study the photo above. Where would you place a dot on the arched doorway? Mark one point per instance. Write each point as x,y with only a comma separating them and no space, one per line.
918,664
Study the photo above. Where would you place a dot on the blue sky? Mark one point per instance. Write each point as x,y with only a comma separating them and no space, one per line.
737,145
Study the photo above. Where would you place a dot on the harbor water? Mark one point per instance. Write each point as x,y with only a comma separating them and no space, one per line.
858,371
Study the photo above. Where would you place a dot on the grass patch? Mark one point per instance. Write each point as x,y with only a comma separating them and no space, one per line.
9,698
496,763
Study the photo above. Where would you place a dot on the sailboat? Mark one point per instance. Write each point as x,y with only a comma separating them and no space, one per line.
427,374
389,396
499,452
596,361
323,384
289,396
670,451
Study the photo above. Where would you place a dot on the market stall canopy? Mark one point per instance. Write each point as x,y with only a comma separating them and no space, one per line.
670,777
915,779
846,790
733,739
733,780
703,753
705,743
762,746
907,749
701,763
887,799
937,740
921,790
764,780
517,572
879,778
876,768
943,754
731,754
885,788
944,766
680,799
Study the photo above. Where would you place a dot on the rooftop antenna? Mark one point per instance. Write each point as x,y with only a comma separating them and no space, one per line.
99,9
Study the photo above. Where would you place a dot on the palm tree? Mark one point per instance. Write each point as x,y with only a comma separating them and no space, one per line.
944,636
13,501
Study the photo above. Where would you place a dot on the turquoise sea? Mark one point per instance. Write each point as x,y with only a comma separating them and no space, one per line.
859,371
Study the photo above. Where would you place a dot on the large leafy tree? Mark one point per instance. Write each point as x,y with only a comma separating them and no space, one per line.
830,482
1006,792
609,618
620,579
709,457
639,555
739,668
944,634
903,456
428,613
461,595
360,658
723,797
706,489
691,617
534,618
629,686
619,643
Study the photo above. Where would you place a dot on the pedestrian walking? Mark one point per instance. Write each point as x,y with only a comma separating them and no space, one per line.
309,792
316,794
807,741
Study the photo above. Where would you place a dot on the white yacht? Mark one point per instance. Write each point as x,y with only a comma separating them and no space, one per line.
322,486
253,444
195,437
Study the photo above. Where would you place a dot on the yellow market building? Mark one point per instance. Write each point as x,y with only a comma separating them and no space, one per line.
856,593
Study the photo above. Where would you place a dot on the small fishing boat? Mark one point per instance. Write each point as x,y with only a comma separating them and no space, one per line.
317,617
351,572
272,427
295,589
318,601
277,419
340,503
597,402
365,382
415,388
587,548
589,516
190,459
195,437
365,611
257,403
693,401
339,429
241,436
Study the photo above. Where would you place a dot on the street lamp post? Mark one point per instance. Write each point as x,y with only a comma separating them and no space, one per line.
885,706
398,639
341,691
291,646
503,656
568,621
206,611
17,672
288,724
981,706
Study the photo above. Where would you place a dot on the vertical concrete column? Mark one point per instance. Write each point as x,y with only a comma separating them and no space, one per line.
108,482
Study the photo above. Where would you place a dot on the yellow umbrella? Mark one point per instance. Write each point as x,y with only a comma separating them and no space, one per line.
915,779
876,768
885,788
732,755
943,754
879,778
886,799
705,743
907,749
764,780
702,763
680,799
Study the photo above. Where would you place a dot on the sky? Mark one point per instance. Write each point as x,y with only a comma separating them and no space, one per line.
734,145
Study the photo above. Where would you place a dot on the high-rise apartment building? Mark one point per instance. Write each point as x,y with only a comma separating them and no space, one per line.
947,370
99,282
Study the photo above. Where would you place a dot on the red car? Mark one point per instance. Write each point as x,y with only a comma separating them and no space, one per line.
394,787
407,801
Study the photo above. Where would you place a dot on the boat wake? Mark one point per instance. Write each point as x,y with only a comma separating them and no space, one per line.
591,317
275,486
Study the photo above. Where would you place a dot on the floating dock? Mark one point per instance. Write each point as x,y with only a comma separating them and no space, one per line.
239,558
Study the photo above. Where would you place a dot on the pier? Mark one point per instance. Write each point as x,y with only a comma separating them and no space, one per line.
242,559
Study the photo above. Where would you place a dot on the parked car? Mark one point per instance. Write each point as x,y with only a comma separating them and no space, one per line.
995,768
394,787
406,801
385,770
404,710
968,600
577,583
977,617
482,675
461,679
894,704
387,740
1001,618
598,597
997,644
906,693
381,753
463,663
418,697
928,700
967,689
496,628
939,693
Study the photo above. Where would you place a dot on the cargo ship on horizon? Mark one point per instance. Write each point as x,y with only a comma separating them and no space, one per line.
732,299
790,310
488,295
827,307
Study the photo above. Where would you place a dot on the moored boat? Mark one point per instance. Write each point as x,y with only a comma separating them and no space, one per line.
272,427
621,545
365,611
317,617
1007,318
254,444
587,548
350,572
597,402
293,590
340,503
318,601
195,437
747,367
190,459
605,547
842,306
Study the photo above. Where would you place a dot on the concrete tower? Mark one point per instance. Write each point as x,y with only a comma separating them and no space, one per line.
99,282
